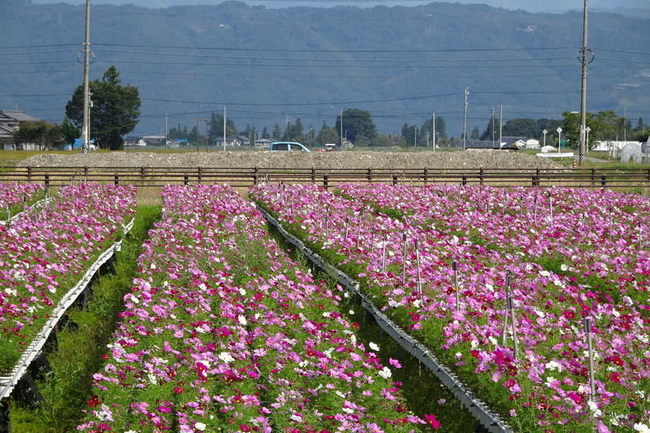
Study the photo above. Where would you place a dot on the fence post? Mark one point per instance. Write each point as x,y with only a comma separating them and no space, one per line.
186,180
313,175
116,179
85,174
394,179
426,176
325,181
603,181
255,174
480,175
47,182
536,181
369,175
200,174
593,176
463,182
29,173
142,172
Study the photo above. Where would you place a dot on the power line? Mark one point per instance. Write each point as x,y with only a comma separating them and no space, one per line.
287,50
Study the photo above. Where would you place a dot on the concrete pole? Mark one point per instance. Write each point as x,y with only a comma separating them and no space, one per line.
85,130
465,119
584,59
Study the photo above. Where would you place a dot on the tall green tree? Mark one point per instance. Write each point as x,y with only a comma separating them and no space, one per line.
356,123
528,128
604,125
69,131
491,131
327,135
408,134
114,113
277,132
215,127
441,127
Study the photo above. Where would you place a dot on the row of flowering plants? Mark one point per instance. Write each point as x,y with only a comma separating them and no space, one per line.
600,238
45,253
222,331
14,197
511,328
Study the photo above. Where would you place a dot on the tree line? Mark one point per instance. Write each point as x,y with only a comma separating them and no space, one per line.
115,111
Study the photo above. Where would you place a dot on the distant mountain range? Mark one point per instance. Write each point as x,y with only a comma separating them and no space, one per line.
269,65
554,6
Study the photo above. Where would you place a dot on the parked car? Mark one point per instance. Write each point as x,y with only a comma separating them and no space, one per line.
287,146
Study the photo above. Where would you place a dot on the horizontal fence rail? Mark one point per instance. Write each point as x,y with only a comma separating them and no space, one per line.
244,177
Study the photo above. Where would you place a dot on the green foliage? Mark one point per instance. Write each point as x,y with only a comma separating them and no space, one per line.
114,113
356,123
521,128
492,129
69,131
46,135
80,348
215,127
327,135
605,125
441,127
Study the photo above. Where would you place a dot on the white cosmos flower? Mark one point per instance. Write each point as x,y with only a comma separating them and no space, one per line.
641,428
226,357
554,365
385,373
242,320
373,346
200,426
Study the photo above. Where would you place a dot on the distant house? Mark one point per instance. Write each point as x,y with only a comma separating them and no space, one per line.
10,121
532,144
263,143
230,141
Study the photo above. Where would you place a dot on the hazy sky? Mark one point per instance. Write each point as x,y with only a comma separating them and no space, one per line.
530,5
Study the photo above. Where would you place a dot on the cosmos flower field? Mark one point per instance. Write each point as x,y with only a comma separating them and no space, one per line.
530,296
457,266
43,254
222,332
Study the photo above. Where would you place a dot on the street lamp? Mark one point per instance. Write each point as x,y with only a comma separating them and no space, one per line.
587,130
559,139
544,132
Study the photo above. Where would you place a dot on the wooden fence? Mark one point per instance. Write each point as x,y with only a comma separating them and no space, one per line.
244,177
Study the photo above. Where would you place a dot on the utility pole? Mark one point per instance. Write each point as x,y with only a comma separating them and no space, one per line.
625,124
465,119
494,114
166,129
586,58
85,130
433,129
224,128
197,133
341,127
500,125
415,137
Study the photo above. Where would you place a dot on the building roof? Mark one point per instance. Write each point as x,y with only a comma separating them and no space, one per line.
17,116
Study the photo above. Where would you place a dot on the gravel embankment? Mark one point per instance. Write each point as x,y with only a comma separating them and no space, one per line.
265,159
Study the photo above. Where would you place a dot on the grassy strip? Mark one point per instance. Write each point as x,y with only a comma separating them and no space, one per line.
67,387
